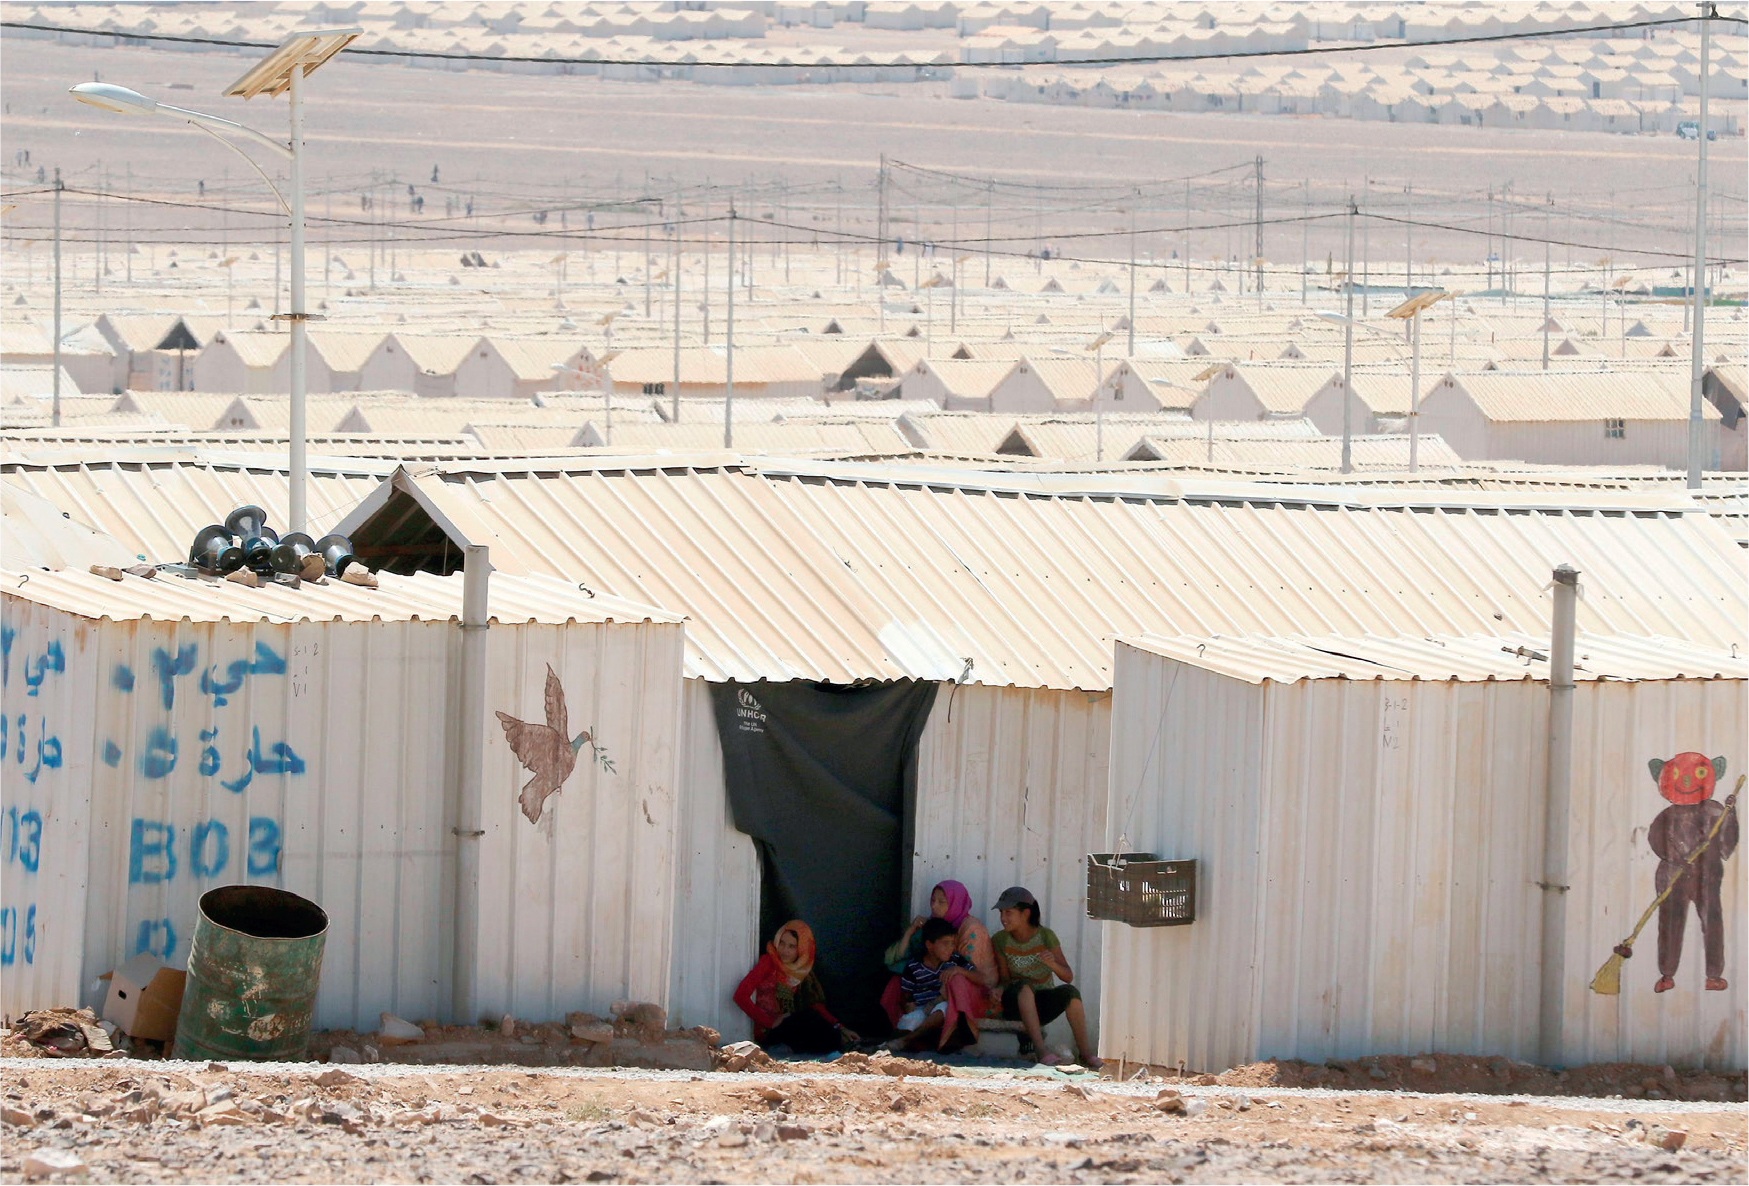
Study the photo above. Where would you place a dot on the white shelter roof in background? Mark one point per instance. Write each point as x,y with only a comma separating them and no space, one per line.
168,597
1260,659
844,571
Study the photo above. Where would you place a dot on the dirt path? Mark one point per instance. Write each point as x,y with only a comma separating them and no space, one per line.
128,1121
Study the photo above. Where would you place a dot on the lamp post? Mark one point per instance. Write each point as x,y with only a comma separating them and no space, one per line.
1411,310
279,72
1097,346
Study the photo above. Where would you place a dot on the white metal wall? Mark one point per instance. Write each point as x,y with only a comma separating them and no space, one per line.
1402,827
1370,853
716,890
1011,790
576,911
45,785
1185,783
319,756
1617,729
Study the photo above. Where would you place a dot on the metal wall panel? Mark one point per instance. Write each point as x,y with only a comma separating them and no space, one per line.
45,785
1371,855
716,891
320,756
1185,783
1011,791
576,910
1617,729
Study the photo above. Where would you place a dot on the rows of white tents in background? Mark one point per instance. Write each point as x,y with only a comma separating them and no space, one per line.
1633,80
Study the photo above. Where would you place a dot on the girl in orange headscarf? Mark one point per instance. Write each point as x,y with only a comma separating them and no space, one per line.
784,998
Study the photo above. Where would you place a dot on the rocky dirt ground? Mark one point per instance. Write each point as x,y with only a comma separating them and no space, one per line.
124,1120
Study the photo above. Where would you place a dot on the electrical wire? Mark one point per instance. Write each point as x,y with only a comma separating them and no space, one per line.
818,64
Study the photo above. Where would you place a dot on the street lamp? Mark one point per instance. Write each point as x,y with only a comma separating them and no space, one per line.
1097,346
1410,310
582,376
279,72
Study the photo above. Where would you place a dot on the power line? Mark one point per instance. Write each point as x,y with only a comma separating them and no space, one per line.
818,64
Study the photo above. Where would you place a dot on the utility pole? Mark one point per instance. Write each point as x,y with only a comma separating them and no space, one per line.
1408,241
1187,236
55,379
989,219
1488,238
646,260
881,245
838,254
1132,338
675,271
127,216
1697,358
705,287
1348,352
1305,236
729,337
1547,316
1259,224
1366,254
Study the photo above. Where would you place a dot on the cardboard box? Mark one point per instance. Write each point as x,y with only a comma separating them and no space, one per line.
144,998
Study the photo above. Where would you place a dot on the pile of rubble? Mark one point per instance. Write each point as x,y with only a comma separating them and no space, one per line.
65,1033
635,1035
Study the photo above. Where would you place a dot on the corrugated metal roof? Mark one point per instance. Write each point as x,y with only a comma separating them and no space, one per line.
257,351
172,598
1289,659
845,572
1290,456
754,365
850,437
1591,395
345,352
155,507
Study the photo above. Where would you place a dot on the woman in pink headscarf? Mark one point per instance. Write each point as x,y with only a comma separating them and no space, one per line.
966,992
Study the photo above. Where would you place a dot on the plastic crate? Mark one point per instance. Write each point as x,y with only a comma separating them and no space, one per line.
1141,890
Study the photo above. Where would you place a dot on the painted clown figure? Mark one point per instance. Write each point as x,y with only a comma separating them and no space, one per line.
1687,781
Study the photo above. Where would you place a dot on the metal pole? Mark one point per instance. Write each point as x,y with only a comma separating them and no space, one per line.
55,379
678,260
989,216
1132,337
1305,237
729,337
1415,397
1697,357
296,518
705,285
1366,255
1348,352
1099,408
127,219
1557,787
1187,237
646,260
881,245
1259,225
476,617
1547,315
1408,240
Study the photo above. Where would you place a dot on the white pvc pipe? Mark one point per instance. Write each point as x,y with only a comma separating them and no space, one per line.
477,571
297,519
1556,791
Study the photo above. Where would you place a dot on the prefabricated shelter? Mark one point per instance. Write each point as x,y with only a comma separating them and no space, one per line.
1367,817
173,735
247,362
761,372
1571,418
1004,592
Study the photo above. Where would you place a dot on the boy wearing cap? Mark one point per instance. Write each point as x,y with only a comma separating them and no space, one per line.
1029,961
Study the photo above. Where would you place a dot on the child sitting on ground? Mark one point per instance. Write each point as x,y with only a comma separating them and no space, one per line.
920,984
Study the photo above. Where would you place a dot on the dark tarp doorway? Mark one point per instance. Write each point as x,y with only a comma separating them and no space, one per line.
824,779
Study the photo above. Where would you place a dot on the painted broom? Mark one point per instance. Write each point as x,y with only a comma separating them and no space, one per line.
1607,982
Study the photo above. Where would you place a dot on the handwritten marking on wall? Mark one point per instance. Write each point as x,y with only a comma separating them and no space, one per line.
157,852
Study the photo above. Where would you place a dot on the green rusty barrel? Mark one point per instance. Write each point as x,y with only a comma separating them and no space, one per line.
253,967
